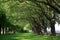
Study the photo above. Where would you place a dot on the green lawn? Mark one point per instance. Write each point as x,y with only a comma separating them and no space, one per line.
28,36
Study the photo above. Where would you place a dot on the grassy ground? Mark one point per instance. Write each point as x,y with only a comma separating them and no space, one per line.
27,36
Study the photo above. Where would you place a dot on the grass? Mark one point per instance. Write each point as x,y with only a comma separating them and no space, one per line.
28,36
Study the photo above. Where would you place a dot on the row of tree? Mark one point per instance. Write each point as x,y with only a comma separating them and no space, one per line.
5,25
40,14
49,9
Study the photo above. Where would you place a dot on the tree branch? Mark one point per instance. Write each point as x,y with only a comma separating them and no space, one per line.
47,3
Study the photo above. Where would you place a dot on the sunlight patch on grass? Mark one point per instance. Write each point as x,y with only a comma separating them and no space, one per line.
25,39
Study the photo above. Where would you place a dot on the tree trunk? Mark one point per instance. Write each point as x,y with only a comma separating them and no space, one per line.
53,28
6,30
0,30
37,30
53,23
45,27
14,32
36,27
45,30
3,30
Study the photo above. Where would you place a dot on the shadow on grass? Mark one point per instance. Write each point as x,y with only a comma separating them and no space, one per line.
7,37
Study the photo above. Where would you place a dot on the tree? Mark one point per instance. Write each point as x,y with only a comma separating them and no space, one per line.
52,14
2,19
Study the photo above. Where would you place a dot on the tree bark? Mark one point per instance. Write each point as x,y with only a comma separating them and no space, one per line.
53,23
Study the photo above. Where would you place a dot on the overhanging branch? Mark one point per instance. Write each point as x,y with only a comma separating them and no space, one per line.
47,3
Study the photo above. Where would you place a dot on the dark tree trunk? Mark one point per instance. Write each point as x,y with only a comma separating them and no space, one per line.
45,30
44,23
3,30
53,28
6,30
53,23
0,30
45,27
14,32
36,28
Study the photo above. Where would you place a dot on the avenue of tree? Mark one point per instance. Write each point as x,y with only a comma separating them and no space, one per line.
37,14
